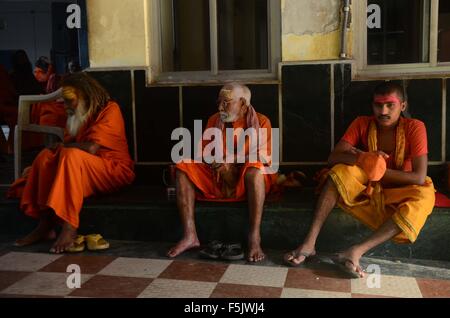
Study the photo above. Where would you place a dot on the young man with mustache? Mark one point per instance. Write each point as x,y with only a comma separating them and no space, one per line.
379,176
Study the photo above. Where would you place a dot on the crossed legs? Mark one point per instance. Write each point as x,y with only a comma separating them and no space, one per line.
327,201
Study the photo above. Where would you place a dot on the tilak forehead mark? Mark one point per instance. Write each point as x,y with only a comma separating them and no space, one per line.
227,93
387,98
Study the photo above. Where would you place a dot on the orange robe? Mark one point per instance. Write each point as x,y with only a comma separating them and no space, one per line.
49,114
202,175
408,206
60,179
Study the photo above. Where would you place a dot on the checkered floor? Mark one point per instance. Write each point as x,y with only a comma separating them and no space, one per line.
45,275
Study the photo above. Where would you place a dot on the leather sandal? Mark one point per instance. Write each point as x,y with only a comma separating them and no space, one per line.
95,242
78,245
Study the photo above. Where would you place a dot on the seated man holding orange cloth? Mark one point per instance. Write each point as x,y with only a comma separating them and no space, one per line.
93,159
379,176
228,182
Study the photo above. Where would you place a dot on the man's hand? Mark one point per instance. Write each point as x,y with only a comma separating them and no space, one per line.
89,147
226,172
354,151
383,154
215,166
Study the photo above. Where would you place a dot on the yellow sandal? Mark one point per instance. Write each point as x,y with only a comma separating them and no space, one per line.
78,245
95,242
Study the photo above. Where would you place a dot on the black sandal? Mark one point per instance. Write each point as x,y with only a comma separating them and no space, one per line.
213,250
232,252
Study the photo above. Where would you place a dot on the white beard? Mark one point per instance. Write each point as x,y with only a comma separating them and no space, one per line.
227,118
77,120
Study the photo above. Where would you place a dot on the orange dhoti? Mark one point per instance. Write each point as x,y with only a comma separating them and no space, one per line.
60,179
408,206
203,177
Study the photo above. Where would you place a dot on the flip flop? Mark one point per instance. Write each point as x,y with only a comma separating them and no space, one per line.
232,252
340,263
296,254
213,250
95,242
78,245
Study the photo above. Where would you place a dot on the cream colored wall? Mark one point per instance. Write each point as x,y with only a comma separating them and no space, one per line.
311,30
117,33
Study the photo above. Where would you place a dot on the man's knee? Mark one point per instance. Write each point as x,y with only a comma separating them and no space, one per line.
70,152
182,179
45,153
252,175
43,157
73,156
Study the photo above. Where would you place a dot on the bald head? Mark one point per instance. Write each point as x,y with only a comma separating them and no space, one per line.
233,102
237,91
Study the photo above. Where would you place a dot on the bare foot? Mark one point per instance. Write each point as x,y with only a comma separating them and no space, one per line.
44,231
65,239
352,257
299,255
255,252
182,246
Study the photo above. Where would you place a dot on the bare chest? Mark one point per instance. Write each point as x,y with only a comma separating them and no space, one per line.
386,142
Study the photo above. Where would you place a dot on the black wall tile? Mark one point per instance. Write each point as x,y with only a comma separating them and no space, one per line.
265,100
306,113
448,122
199,103
157,115
352,99
425,104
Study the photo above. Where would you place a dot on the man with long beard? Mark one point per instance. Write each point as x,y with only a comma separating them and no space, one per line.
93,159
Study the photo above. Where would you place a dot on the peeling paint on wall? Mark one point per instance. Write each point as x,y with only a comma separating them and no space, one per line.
118,34
309,17
311,30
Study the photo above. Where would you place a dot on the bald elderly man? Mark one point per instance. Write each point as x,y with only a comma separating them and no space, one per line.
227,181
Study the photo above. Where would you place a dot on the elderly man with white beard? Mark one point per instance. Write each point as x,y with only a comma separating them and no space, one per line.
228,181
93,159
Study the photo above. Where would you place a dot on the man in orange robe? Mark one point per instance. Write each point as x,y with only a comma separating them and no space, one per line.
44,73
48,113
379,176
227,182
93,159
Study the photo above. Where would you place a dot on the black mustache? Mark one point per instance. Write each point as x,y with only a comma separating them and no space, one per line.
384,117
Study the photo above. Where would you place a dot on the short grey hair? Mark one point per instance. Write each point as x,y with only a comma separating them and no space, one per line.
242,91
